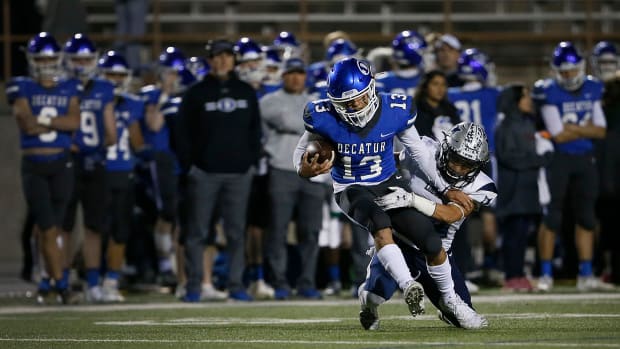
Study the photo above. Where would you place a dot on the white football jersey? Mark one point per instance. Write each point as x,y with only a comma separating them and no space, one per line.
482,189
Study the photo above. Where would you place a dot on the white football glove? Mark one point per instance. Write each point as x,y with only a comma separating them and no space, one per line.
399,197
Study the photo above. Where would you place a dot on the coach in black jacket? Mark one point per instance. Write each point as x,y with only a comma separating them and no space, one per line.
518,207
218,144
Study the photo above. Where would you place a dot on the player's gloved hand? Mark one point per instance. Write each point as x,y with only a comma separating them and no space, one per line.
399,197
44,120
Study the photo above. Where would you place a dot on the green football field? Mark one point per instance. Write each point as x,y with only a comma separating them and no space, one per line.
561,320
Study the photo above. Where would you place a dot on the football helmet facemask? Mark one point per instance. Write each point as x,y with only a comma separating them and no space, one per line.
462,154
44,57
81,56
350,84
567,58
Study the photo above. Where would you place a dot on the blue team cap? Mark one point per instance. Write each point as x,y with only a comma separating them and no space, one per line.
294,65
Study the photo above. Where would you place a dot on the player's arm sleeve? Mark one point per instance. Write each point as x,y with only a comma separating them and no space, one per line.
598,116
417,149
552,119
300,149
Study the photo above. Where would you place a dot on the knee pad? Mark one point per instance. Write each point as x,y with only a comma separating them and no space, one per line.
587,220
121,235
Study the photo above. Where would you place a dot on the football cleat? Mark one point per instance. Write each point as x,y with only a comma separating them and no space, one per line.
260,290
592,283
466,316
545,283
110,292
333,288
445,319
210,293
414,297
94,295
369,316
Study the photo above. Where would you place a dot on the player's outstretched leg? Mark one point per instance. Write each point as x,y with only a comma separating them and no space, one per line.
414,297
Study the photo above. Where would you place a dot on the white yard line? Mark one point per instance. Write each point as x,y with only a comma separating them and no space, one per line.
313,342
504,298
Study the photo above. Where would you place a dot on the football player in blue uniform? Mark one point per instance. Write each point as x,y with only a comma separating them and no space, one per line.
198,66
409,65
161,176
570,105
46,108
362,124
120,161
97,130
458,159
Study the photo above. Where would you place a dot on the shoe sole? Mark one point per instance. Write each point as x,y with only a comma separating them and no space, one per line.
414,297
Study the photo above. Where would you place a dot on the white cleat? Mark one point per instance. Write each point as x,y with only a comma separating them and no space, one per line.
414,297
592,283
210,293
260,290
545,283
110,292
369,316
466,316
472,287
94,294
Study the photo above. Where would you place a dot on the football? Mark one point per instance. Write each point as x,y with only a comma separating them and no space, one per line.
321,147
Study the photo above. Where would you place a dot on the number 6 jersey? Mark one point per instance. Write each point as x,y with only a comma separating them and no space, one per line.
52,102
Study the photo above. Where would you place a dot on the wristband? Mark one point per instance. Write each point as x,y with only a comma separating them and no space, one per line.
423,205
459,207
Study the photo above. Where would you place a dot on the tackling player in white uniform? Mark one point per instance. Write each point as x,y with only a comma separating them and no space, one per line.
458,160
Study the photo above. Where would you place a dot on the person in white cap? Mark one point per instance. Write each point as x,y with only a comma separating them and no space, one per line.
447,51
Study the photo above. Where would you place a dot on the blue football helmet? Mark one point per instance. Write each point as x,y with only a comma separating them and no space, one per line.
114,68
339,49
406,54
250,61
410,37
465,144
44,57
198,66
247,49
186,79
317,72
351,80
486,61
171,59
567,58
81,56
605,60
287,45
471,69
272,65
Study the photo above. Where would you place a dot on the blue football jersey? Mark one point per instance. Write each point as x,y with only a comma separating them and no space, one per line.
478,106
389,82
128,109
90,137
574,107
158,140
362,156
52,102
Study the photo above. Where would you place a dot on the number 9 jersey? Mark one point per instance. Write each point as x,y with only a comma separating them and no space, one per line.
364,156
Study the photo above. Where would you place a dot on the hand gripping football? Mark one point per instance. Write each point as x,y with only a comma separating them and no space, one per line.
324,148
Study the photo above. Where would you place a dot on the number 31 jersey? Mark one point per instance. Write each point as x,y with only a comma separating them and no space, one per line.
363,156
